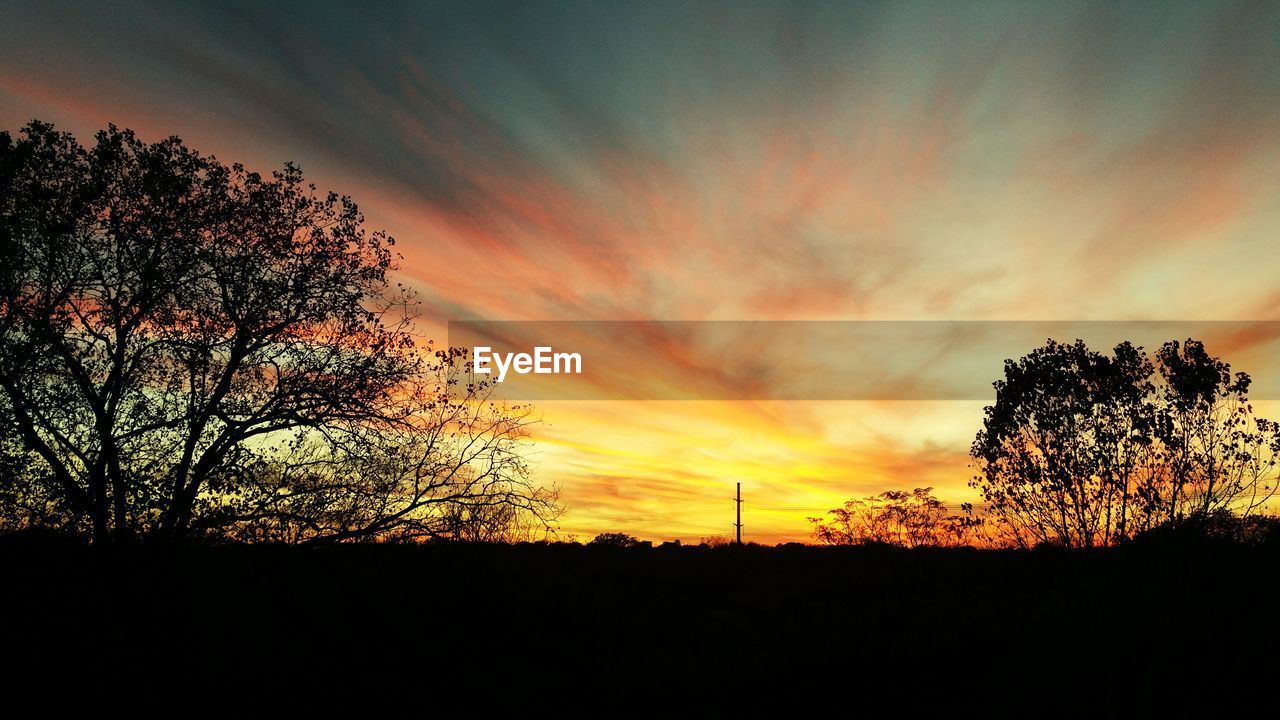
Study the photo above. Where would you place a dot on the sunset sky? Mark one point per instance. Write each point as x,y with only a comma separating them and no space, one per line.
731,161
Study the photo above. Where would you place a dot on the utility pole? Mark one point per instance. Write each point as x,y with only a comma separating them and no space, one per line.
738,502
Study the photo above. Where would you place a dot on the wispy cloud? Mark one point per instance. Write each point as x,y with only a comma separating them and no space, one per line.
578,161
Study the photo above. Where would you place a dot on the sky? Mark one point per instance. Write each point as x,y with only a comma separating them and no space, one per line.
730,161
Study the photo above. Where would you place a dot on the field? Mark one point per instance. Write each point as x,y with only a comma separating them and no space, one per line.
602,631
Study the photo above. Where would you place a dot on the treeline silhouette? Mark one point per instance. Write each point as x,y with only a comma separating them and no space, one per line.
897,517
193,350
462,629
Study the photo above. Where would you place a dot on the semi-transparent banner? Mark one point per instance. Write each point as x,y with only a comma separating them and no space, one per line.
812,360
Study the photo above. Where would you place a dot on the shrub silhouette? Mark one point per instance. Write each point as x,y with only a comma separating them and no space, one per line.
894,517
618,540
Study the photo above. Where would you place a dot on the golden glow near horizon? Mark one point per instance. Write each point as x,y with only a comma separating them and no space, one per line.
1011,161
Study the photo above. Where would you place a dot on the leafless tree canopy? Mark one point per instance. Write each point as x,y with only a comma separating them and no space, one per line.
894,517
191,348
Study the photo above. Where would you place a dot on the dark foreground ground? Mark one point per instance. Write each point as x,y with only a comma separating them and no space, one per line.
483,631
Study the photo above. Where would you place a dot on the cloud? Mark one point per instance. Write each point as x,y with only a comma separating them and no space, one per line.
718,161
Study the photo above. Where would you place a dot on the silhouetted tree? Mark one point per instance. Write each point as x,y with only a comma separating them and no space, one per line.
894,517
1084,449
618,540
1067,421
191,347
1219,456
437,463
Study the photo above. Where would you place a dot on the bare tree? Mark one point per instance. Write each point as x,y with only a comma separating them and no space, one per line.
177,335
894,517
444,465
